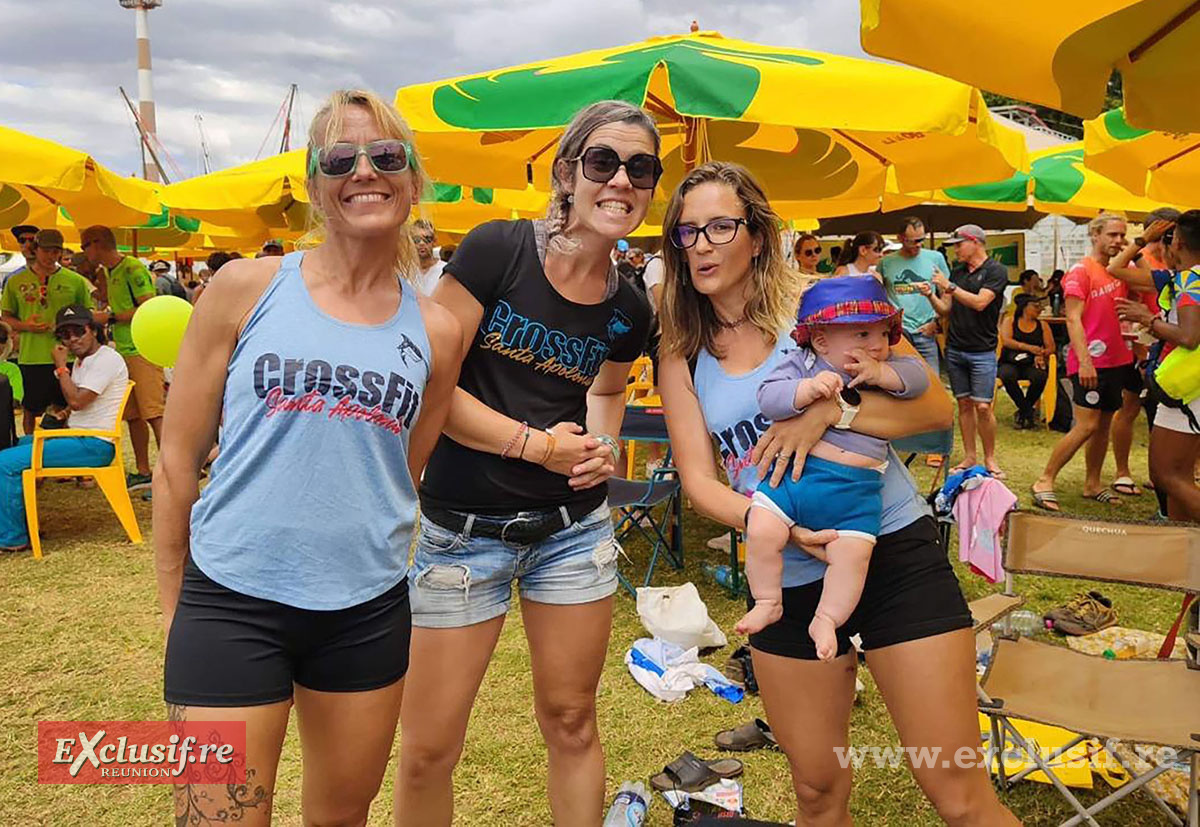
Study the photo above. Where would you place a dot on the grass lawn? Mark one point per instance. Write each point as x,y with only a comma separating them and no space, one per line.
80,638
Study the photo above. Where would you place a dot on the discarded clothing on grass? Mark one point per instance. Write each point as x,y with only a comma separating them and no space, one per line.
669,672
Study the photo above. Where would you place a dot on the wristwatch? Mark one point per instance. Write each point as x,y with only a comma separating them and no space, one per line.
848,400
951,287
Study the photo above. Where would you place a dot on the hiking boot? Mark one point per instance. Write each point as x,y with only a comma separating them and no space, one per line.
1083,615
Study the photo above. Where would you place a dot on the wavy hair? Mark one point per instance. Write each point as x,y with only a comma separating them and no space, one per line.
570,147
323,133
688,319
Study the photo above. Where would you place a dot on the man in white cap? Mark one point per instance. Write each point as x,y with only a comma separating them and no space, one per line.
972,296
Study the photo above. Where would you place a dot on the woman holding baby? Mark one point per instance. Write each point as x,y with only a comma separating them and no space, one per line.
729,309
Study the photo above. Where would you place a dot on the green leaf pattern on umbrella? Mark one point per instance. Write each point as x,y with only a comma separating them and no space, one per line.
1059,177
13,207
1119,128
706,80
1012,190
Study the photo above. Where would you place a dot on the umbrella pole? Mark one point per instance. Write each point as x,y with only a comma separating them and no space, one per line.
135,244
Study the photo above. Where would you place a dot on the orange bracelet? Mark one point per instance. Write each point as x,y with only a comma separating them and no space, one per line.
550,443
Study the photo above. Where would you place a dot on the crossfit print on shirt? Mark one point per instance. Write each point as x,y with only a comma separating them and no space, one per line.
550,351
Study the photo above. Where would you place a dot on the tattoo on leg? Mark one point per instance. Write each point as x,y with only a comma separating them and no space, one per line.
198,803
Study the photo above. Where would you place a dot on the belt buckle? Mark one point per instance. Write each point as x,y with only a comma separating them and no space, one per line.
520,518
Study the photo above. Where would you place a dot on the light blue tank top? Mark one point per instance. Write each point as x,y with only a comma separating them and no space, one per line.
731,412
311,502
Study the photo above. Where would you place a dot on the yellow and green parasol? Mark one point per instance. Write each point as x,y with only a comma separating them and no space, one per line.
1060,54
37,177
1057,182
821,131
1164,166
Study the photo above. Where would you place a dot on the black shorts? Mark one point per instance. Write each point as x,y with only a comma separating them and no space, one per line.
229,649
1110,383
911,592
41,389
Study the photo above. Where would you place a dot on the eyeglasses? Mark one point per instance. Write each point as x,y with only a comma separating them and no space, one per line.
27,239
1168,236
388,156
913,241
424,239
600,165
717,231
815,251
64,334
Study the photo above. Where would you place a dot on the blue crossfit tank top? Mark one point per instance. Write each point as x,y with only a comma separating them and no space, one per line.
311,503
730,406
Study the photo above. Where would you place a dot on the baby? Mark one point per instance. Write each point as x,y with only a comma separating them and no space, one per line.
845,331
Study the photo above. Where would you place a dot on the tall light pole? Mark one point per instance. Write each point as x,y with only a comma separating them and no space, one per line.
141,8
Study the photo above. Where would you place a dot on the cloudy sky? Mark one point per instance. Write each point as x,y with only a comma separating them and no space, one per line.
231,61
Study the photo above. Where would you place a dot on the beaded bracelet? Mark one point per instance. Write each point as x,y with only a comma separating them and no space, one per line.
512,442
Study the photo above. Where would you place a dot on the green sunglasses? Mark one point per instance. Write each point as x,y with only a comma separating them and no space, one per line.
389,157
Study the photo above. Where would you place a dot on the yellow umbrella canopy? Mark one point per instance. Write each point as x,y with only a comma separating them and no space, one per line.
1059,54
821,131
39,176
1164,166
1057,182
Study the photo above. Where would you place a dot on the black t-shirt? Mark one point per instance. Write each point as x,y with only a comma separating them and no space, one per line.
534,357
975,331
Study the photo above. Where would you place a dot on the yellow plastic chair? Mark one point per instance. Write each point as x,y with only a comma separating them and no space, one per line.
110,478
1049,393
641,379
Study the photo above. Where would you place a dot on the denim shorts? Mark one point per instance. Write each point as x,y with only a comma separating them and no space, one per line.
458,580
972,374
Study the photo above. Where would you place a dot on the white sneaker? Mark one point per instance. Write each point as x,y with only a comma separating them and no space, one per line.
721,542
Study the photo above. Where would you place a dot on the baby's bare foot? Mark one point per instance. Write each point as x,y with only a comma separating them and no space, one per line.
824,634
764,613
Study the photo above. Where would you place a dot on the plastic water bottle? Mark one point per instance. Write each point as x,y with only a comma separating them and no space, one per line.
629,806
723,576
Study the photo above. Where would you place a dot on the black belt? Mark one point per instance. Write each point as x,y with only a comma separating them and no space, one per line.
521,528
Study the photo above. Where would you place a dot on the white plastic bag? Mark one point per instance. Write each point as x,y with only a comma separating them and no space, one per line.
677,614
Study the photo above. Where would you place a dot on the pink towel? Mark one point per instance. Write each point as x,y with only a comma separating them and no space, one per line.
980,513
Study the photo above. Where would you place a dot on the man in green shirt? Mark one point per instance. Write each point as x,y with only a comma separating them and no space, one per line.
129,285
31,299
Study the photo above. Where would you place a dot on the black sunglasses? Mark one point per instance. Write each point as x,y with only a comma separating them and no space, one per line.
920,240
717,231
28,239
64,334
600,165
815,251
1168,236
388,156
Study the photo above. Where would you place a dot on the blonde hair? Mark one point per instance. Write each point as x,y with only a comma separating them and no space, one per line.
324,132
570,147
1097,224
688,319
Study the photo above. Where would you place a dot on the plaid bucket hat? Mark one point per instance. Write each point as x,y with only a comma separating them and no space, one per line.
846,300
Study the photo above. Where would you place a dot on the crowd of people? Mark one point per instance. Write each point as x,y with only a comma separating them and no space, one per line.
485,389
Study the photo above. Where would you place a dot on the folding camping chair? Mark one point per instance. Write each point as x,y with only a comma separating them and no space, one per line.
652,508
938,443
1143,701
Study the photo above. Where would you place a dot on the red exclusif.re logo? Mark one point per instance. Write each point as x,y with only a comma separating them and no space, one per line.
141,752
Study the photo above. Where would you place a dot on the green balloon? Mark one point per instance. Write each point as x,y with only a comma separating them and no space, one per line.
157,328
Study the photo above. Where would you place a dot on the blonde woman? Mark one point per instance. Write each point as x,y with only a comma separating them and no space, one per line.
729,304
284,582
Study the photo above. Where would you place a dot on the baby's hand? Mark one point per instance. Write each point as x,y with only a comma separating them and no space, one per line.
826,384
864,369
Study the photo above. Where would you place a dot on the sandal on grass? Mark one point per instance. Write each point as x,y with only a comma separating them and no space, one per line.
689,774
749,736
1045,500
1104,495
997,473
1126,486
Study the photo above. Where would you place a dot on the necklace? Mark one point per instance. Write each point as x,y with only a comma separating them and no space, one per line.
734,325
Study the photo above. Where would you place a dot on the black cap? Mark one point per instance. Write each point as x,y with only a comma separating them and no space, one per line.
24,229
73,314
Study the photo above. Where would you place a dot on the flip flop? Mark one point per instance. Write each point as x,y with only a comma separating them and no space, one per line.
1045,500
1104,495
1126,486
689,774
997,473
749,736
962,466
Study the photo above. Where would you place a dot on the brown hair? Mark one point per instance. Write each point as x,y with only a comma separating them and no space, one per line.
324,131
867,238
688,319
570,147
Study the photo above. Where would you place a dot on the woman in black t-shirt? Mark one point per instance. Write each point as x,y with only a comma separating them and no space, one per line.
1025,345
516,487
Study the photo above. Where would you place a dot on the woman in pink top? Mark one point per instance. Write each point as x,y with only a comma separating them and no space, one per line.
1100,365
